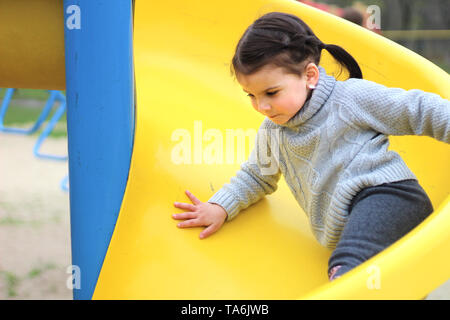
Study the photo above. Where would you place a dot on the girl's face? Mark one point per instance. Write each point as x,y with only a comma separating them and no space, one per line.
277,94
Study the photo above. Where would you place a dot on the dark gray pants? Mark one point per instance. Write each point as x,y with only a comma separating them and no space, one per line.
378,216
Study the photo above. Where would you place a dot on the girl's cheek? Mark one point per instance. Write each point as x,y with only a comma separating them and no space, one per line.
283,103
295,101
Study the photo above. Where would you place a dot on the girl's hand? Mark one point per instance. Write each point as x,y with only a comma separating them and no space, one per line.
200,214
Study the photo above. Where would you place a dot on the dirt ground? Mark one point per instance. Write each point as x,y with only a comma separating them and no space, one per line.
34,220
35,223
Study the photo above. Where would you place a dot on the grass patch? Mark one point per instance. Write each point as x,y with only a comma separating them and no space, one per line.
11,221
25,117
25,107
12,281
36,272
34,94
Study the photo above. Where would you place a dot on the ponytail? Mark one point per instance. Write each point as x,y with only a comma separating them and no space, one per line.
345,59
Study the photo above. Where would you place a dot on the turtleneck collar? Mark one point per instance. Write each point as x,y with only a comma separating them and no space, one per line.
318,98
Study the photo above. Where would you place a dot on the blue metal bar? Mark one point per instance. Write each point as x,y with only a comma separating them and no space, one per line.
48,129
64,184
6,100
44,114
100,122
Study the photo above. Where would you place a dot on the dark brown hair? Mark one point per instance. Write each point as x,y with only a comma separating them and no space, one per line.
286,41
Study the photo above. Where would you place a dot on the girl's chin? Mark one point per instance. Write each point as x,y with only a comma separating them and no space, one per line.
278,119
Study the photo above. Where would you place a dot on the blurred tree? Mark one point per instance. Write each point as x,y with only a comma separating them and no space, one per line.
406,14
409,15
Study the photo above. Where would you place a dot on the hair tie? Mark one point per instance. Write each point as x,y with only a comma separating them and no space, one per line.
322,46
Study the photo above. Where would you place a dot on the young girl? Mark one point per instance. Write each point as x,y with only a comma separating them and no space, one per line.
331,144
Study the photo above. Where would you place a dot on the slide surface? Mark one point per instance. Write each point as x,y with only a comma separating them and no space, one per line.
187,99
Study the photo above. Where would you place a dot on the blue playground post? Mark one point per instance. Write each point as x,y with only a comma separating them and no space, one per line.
100,126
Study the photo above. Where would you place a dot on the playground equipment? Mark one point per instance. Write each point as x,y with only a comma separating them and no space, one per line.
48,129
54,96
124,180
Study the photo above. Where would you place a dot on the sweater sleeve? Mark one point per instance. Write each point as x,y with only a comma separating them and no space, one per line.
395,111
257,177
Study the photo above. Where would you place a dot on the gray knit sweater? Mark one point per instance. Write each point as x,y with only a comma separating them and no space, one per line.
334,146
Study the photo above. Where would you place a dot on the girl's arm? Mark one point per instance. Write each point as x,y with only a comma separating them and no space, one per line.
395,111
257,177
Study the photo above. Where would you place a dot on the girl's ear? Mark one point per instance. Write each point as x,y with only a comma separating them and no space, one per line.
312,75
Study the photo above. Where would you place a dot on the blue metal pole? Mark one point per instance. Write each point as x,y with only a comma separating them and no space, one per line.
48,129
6,100
100,125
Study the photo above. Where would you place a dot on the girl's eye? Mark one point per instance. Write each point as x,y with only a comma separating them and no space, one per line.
268,93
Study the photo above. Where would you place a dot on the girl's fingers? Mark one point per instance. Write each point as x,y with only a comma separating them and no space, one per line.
184,215
189,223
186,206
208,231
192,197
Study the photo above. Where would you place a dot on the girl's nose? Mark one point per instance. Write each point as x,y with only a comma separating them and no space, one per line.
263,106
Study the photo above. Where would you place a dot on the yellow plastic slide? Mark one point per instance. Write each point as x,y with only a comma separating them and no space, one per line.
191,121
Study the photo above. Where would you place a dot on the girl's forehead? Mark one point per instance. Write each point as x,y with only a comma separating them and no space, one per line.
263,77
